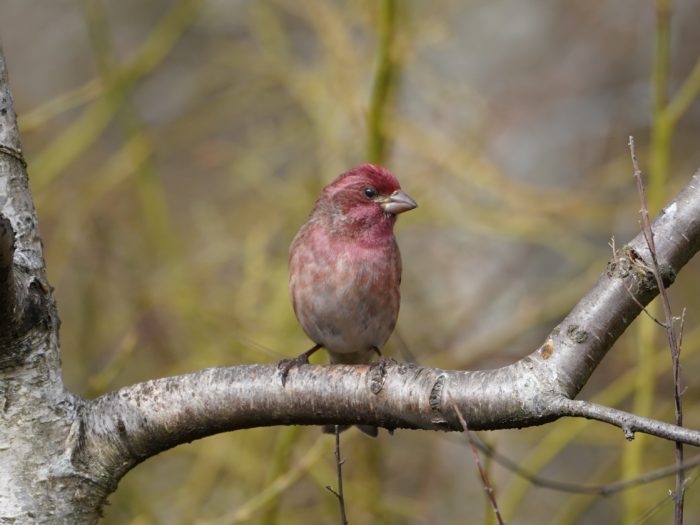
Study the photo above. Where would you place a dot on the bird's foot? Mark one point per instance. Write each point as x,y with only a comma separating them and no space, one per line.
285,365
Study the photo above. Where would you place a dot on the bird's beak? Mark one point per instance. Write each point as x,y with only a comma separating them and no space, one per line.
398,202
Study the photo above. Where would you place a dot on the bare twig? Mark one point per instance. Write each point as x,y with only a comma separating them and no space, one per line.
644,518
628,422
339,469
577,488
671,335
482,472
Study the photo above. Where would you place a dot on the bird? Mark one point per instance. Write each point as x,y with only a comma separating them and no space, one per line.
345,268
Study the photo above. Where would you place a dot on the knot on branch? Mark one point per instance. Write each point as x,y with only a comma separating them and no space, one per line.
436,401
12,152
629,265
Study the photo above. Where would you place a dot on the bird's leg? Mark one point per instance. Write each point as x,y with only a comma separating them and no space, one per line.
286,365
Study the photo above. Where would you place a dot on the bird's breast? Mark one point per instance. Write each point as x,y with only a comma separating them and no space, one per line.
346,296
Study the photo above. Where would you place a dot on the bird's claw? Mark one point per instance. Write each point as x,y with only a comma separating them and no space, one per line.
286,365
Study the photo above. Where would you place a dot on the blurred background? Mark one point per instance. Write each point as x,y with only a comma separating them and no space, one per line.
175,147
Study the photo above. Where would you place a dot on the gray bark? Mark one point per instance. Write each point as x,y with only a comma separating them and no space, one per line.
62,456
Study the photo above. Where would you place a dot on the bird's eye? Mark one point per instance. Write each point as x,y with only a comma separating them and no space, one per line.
370,193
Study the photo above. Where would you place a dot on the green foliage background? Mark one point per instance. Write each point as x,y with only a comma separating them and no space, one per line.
175,147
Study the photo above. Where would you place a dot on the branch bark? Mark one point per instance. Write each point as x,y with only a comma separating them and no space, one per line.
35,410
25,298
8,295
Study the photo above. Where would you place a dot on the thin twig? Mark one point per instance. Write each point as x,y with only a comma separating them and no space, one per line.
680,332
482,472
339,469
577,488
673,340
645,518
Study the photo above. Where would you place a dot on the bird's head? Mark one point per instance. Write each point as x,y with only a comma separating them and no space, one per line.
367,197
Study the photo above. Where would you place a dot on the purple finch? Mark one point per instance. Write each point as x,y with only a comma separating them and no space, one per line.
345,266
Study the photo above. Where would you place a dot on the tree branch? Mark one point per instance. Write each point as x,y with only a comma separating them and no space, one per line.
25,298
575,347
629,423
125,427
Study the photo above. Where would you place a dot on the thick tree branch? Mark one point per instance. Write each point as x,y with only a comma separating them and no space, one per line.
575,347
136,422
35,410
125,427
24,293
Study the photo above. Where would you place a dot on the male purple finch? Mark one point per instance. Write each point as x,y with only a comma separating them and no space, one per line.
345,267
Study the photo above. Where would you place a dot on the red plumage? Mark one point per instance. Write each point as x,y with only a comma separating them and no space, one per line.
345,265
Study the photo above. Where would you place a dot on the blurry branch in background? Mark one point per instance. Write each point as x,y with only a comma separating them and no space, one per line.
35,118
162,239
74,140
541,215
604,489
385,83
685,96
245,511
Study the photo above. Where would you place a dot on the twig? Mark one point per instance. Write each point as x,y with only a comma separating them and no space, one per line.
673,340
339,469
577,488
484,476
644,518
